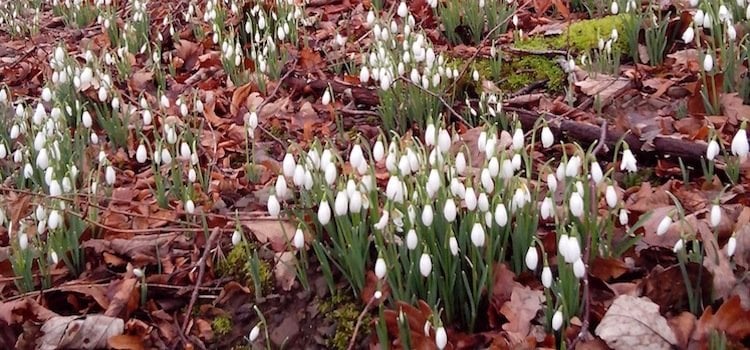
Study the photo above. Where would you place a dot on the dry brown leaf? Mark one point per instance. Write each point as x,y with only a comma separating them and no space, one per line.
125,342
731,318
277,232
521,309
635,323
285,271
732,106
603,85
717,262
74,332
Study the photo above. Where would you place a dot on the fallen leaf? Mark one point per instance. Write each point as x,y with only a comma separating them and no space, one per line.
605,86
277,232
285,271
521,309
734,108
125,342
731,318
75,332
635,323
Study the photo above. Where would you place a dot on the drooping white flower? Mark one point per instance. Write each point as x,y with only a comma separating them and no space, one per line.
551,182
324,212
547,137
712,150
614,8
189,206
708,63
596,172
441,338
664,225
501,215
623,216
380,268
341,204
110,175
546,277
546,210
449,210
518,139
427,215
628,162
274,207
402,10
378,151
557,320
470,198
453,245
611,196
254,333
326,99
579,268
425,265
477,235
688,35
236,237
532,258
576,204
483,202
715,215
444,141
54,220
740,146
460,163
411,239
731,246
678,245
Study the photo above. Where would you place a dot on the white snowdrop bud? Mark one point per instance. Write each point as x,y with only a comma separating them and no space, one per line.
274,207
623,216
42,159
355,202
712,150
28,171
740,146
166,156
3,151
254,333
475,75
516,161
54,220
460,163
664,225
614,8
326,99
470,198
678,245
380,268
430,133
444,141
46,94
482,141
576,205
532,258
551,182
573,166
189,206
493,166
236,237
402,10
299,239
596,172
140,154
341,204
518,139
147,117
427,215
53,257
579,268
281,188
23,241
547,208
547,138
289,165
324,212
425,265
546,277
185,151
364,75
731,246
708,63
501,215
192,175
688,35
378,151
110,175
715,215
507,169
483,202
477,235
411,239
557,320
628,162
356,157
611,196
449,210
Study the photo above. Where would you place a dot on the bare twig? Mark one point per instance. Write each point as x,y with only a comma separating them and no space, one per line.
361,317
201,271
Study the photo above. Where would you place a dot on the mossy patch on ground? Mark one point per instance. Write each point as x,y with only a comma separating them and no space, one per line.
344,312
238,265
221,325
580,36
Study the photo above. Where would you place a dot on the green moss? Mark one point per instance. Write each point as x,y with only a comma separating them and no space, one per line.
580,36
528,69
344,312
221,325
237,265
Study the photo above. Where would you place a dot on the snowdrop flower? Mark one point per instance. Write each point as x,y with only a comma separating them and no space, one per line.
236,237
708,63
576,204
430,133
299,239
532,258
254,333
470,198
551,182
475,75
380,268
326,97
477,235
614,8
501,215
507,169
611,196
688,35
483,202
740,146
441,338
712,150
715,215
288,165
425,265
274,207
547,138
518,139
557,320
678,245
579,269
54,220
731,246
378,151
364,75
427,215
341,204
402,10
449,210
110,175
324,212
628,161
596,172
453,245
356,157
573,166
460,163
547,208
623,216
482,141
664,225
444,141
355,202
189,206
546,277
411,239
140,154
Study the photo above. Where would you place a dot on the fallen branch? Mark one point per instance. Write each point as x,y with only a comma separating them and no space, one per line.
201,271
